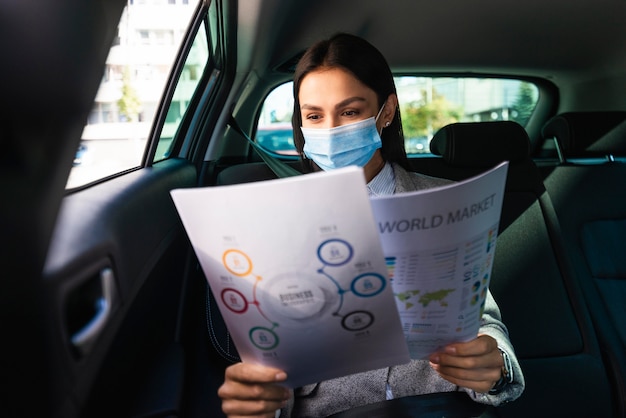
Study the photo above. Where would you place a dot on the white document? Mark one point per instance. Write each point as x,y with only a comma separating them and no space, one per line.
439,246
297,269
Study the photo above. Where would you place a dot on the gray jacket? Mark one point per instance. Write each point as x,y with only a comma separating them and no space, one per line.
413,378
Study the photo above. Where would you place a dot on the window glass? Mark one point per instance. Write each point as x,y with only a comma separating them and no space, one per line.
194,66
137,67
426,104
274,131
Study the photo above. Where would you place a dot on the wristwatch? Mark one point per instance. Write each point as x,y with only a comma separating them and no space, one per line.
507,374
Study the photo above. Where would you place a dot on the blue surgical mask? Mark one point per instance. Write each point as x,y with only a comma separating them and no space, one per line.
341,146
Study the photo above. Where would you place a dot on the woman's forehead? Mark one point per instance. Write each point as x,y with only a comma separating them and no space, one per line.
332,86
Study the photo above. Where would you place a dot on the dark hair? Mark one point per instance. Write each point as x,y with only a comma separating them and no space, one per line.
369,66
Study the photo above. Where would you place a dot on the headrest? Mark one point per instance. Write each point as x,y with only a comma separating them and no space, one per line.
481,144
588,134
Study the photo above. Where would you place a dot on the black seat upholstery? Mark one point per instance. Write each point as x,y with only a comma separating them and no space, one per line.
468,149
249,172
586,134
481,144
532,278
587,190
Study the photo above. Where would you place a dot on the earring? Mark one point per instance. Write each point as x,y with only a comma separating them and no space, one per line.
387,124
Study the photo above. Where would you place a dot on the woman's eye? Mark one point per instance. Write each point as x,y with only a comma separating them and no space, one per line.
313,117
350,113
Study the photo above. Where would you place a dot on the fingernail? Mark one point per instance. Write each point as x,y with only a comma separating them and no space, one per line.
281,376
450,350
434,359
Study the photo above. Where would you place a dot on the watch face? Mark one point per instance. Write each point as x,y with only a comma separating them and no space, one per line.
507,369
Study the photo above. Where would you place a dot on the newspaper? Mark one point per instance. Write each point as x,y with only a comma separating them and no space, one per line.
315,278
439,246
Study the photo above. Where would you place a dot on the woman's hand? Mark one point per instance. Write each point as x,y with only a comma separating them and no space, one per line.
252,390
475,365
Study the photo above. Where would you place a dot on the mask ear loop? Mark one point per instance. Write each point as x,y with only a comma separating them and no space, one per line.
380,111
376,119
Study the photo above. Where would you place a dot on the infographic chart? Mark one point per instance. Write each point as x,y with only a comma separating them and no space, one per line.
297,269
434,306
439,247
301,299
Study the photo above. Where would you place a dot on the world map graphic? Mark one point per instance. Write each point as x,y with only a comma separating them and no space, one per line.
412,297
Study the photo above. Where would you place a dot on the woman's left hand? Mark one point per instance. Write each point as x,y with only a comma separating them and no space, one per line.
475,364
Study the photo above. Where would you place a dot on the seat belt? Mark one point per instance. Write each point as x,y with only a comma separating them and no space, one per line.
277,166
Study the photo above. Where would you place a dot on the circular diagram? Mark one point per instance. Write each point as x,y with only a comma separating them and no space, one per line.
237,262
474,300
335,252
263,338
234,300
292,299
368,284
357,320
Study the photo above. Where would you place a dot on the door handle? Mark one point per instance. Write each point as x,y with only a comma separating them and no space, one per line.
84,339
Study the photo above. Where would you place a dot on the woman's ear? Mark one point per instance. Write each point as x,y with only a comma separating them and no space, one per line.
389,112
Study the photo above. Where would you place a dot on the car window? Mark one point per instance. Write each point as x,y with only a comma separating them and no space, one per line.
274,132
426,103
197,60
114,138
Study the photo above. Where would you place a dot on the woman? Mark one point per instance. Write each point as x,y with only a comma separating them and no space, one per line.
346,113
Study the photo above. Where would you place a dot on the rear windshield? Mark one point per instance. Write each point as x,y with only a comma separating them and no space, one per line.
426,105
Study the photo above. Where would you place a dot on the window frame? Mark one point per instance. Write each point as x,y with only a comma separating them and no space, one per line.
177,74
205,107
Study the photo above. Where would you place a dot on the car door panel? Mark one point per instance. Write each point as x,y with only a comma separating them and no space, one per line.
113,283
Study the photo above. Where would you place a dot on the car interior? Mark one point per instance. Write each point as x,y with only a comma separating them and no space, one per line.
105,309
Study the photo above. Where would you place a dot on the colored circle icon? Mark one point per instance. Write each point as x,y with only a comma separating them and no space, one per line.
234,300
474,300
357,321
263,338
335,252
237,262
368,284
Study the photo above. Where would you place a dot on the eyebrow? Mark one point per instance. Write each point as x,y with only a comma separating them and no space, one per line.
339,105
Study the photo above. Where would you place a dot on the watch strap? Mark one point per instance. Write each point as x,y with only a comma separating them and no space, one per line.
507,374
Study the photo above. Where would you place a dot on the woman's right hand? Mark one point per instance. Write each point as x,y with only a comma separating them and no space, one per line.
253,390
